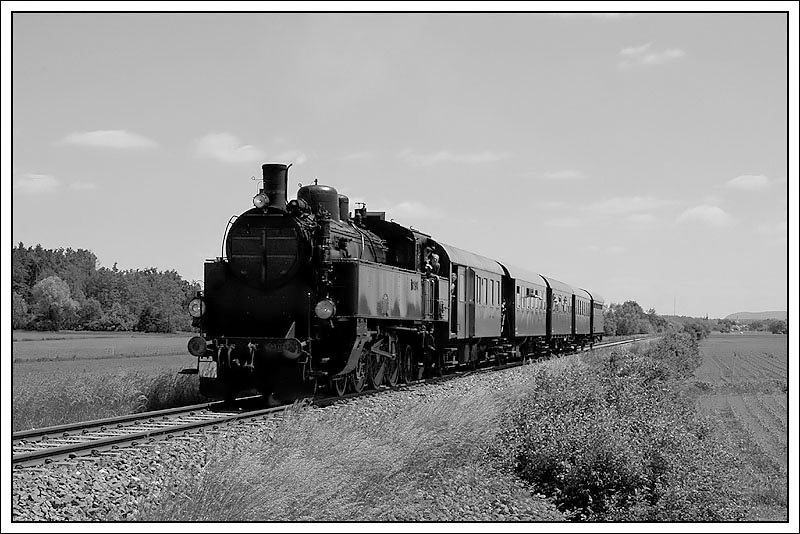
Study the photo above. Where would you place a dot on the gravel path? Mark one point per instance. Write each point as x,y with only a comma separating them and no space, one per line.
113,485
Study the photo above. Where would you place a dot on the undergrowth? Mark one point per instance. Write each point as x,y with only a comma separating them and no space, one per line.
616,440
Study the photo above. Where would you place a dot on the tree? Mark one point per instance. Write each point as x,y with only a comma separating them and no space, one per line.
19,312
117,318
776,326
52,306
89,312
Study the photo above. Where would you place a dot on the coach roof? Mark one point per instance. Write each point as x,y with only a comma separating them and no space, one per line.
556,284
463,257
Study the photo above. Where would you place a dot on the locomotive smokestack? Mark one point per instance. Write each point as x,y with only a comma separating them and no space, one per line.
276,176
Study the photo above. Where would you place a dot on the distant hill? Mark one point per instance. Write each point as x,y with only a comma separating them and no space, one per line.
757,316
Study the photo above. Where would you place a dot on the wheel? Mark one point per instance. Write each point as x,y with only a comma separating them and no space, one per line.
377,367
408,364
393,372
339,385
360,377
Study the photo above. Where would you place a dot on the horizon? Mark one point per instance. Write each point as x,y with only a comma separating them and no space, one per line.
644,157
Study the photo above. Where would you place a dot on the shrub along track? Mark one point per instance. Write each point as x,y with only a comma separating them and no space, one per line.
46,445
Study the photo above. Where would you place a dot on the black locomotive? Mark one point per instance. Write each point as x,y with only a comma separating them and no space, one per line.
308,296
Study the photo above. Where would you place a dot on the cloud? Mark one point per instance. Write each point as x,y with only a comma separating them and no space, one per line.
356,156
643,55
624,205
37,184
413,210
749,182
227,148
707,214
446,156
292,156
567,174
109,139
83,186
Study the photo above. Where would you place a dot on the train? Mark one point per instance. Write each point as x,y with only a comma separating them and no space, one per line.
311,296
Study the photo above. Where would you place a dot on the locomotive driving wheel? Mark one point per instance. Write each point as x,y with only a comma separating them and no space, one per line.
361,375
339,385
393,371
407,364
377,369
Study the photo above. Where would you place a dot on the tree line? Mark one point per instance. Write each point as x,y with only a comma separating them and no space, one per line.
63,289
629,318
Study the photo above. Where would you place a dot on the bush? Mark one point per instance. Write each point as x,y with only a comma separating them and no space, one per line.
616,441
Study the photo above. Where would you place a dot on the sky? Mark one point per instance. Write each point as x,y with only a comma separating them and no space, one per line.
640,156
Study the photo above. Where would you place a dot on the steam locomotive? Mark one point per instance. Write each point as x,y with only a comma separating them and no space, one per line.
308,297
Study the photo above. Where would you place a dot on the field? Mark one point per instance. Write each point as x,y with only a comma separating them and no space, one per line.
62,377
50,346
744,383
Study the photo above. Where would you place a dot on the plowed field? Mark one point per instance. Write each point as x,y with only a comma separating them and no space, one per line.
745,379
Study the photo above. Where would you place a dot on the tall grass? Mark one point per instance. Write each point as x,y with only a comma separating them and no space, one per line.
41,400
418,460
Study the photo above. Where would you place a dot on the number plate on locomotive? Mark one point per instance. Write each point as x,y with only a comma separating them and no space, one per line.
207,369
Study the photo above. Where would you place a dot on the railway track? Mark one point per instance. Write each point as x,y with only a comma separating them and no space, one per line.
60,442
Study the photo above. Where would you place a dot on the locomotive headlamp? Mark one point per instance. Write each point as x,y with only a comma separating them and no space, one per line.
325,309
197,307
260,200
197,346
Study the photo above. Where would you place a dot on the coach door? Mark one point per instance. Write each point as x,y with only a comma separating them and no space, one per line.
461,305
471,292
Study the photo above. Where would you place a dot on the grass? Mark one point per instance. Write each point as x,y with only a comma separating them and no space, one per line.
52,391
419,460
608,436
59,346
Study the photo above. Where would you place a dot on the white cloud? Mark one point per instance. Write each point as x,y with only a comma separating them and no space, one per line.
635,51
450,157
227,148
707,214
109,139
643,55
83,186
292,156
567,174
623,205
36,184
413,210
749,182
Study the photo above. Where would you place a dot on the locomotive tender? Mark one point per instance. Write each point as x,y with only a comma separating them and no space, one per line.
307,296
